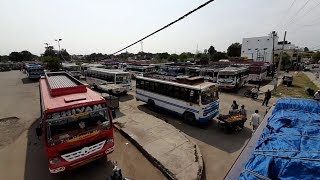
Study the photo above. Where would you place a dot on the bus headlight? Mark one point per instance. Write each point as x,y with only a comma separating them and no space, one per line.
54,161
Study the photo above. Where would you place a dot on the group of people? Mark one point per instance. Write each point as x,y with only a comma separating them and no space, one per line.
254,119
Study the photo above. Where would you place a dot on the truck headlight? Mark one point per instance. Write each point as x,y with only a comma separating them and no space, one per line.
54,161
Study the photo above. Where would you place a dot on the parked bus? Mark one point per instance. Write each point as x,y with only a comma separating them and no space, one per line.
170,70
232,77
257,73
139,70
5,67
34,71
73,69
209,74
75,122
195,101
114,81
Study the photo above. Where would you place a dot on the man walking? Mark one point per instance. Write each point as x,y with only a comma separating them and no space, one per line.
267,97
317,95
255,120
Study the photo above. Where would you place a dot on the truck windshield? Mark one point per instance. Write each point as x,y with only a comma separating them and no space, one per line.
65,128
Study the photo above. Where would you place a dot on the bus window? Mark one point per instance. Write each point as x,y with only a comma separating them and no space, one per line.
152,86
138,83
147,85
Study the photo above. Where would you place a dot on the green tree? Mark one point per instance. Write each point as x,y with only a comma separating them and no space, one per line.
234,50
53,63
15,57
50,52
219,55
316,56
173,58
211,50
65,55
306,49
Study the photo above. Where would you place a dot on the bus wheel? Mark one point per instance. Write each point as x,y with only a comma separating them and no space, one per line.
189,117
151,104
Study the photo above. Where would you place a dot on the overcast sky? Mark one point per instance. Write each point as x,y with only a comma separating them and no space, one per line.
108,25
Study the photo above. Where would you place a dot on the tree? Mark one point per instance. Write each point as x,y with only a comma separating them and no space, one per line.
53,63
211,50
65,55
4,58
173,58
306,49
26,56
15,57
234,50
316,56
50,52
219,55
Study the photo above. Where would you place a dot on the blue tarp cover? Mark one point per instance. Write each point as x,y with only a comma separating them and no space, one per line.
289,147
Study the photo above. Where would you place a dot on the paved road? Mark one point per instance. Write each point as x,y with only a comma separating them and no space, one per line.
22,154
219,150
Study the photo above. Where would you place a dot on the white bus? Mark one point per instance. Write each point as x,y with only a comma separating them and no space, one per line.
209,74
196,102
257,73
139,70
73,69
114,81
232,77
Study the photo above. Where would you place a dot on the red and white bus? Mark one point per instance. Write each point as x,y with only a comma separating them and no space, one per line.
75,122
257,73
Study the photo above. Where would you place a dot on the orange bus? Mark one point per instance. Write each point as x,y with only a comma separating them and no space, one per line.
76,122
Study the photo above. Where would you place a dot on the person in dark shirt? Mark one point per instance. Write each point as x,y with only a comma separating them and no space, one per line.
267,97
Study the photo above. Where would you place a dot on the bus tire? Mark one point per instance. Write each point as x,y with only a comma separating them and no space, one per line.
151,104
189,117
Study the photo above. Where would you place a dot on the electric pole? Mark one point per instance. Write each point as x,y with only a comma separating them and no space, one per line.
279,64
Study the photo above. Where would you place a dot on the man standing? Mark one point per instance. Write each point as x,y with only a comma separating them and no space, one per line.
317,95
255,120
243,112
267,97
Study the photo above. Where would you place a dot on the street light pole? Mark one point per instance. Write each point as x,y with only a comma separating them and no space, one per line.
279,64
58,40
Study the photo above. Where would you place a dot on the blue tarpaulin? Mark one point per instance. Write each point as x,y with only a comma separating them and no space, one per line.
289,147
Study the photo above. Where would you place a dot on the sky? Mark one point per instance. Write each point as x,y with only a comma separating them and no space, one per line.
105,26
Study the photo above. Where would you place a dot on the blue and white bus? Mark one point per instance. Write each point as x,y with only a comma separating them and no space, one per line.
194,99
34,71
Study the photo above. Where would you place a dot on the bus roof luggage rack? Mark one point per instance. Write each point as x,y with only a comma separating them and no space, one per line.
62,83
190,80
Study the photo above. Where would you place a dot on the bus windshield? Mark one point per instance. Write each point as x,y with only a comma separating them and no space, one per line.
65,128
122,79
226,76
209,95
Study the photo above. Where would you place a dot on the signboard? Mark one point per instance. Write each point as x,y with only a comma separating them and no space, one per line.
76,112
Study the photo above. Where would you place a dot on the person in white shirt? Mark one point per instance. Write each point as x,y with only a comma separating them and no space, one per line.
243,112
255,120
317,95
254,91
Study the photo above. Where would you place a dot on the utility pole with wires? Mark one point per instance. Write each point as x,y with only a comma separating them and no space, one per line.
279,64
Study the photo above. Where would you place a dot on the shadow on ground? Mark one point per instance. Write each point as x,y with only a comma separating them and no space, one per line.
126,97
209,134
36,166
28,81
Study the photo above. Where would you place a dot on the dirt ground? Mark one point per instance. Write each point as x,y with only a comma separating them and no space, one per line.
218,148
22,154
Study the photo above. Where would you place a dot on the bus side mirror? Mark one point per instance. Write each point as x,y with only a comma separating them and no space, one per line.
39,132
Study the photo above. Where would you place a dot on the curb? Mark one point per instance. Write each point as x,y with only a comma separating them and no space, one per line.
166,172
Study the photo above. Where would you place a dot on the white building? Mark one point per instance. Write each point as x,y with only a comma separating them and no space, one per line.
258,48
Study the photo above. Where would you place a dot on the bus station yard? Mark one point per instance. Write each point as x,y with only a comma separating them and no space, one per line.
24,155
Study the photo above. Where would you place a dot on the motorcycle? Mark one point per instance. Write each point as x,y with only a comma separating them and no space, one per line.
117,173
249,94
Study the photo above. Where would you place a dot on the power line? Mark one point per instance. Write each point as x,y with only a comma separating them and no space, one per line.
307,12
302,7
168,25
285,15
